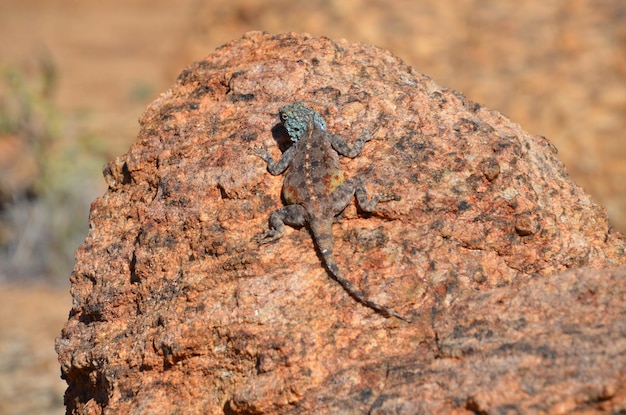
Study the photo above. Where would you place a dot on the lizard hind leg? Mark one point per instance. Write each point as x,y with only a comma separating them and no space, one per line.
292,215
342,195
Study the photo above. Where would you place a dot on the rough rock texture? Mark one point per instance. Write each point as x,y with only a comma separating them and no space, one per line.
177,310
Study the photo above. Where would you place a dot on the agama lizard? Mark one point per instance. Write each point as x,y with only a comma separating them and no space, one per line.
315,188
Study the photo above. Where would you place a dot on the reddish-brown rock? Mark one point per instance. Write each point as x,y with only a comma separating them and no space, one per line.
177,309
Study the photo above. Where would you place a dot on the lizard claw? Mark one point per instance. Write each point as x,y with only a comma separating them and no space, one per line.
388,197
261,152
267,237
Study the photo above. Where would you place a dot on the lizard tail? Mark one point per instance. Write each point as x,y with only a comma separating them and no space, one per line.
322,234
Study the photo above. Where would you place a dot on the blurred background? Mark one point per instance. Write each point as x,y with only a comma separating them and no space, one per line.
75,75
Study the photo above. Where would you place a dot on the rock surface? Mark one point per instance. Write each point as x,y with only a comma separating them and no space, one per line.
177,309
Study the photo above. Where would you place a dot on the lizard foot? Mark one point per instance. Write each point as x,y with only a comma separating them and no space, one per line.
262,153
387,197
268,237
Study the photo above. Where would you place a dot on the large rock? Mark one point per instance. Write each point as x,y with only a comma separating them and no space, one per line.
178,310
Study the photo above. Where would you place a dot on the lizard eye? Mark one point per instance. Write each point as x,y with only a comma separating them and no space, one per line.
283,116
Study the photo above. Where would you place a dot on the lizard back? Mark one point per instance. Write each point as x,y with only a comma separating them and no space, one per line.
314,173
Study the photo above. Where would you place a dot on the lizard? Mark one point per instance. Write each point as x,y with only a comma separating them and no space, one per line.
315,188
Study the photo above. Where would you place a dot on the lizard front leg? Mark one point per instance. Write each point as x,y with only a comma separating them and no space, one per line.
276,168
344,148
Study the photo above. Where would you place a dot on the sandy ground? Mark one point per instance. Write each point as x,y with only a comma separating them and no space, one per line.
31,317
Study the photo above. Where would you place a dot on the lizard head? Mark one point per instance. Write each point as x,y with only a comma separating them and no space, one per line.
298,118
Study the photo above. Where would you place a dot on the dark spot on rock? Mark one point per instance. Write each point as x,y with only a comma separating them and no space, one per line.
249,137
186,76
463,206
328,91
201,91
241,97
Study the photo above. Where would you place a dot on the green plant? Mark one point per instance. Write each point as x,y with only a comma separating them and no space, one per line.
48,177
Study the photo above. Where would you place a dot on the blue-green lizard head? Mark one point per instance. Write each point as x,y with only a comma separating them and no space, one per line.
298,118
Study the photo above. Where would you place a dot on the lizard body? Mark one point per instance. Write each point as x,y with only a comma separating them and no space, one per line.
315,188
